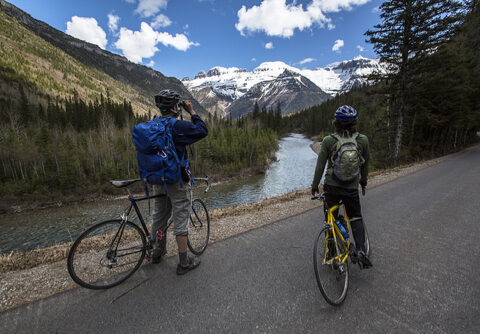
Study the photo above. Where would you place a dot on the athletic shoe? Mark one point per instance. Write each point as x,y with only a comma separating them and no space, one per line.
193,262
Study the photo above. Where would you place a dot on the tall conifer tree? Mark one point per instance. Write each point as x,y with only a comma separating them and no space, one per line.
409,31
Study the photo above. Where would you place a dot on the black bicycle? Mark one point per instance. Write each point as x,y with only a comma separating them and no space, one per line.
109,252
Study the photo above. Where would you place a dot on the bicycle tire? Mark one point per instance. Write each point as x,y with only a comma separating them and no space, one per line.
331,279
367,241
92,266
199,227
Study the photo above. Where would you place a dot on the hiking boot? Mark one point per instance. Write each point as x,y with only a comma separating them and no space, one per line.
193,262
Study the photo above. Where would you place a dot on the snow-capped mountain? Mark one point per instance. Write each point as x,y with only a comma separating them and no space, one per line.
290,89
233,91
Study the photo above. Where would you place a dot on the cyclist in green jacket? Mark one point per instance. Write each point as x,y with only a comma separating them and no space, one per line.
336,189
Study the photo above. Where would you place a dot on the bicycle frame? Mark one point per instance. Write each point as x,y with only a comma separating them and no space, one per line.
124,217
133,204
337,234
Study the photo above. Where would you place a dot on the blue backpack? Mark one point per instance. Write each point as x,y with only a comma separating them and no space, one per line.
158,162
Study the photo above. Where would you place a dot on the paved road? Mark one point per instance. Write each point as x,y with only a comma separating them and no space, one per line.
424,231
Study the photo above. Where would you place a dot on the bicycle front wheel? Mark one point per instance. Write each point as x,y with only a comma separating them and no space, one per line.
331,274
199,227
106,254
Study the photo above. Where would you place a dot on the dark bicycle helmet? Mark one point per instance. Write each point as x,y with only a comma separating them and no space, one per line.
346,114
166,99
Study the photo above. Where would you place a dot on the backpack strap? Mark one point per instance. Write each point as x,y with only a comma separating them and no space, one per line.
336,136
355,136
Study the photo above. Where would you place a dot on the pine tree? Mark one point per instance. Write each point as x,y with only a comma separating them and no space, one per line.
25,114
409,32
256,110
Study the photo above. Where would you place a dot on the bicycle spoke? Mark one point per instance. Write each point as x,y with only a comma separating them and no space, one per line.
330,272
106,254
199,229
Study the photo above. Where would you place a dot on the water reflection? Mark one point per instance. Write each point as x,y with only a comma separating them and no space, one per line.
293,170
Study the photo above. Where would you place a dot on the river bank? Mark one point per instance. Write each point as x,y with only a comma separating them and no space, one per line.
108,193
37,274
38,229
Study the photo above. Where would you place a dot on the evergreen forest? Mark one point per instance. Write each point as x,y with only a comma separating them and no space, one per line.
71,147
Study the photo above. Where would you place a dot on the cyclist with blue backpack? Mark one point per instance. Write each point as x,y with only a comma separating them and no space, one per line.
346,154
165,165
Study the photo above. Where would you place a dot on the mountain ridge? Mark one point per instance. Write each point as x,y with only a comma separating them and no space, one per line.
223,86
144,79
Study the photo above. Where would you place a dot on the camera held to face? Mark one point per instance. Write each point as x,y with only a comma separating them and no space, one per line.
181,105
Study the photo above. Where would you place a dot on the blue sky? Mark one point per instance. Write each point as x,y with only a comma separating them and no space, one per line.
181,37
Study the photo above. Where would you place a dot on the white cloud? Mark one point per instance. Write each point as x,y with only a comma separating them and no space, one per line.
136,45
338,44
87,29
130,1
179,41
360,48
149,8
151,63
253,59
161,21
306,60
186,26
269,45
333,6
277,18
113,22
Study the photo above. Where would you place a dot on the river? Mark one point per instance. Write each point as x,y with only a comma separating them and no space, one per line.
292,170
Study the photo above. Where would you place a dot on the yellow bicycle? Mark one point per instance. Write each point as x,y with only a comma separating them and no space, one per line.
331,253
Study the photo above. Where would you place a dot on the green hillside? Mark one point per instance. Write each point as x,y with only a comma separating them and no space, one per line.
144,81
44,71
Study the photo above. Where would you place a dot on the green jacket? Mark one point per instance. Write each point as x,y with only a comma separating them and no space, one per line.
325,156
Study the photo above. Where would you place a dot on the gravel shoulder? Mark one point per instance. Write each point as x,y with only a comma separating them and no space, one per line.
34,275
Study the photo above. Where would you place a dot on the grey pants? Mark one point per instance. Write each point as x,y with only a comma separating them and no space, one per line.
177,205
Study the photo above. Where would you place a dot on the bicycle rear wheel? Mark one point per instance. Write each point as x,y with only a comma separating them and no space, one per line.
332,276
106,254
199,227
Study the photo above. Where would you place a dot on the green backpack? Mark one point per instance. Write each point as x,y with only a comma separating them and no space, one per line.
346,159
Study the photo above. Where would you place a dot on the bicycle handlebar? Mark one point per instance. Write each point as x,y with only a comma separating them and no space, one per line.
319,197
206,179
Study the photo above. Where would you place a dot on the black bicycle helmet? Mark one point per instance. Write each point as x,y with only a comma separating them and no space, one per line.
346,114
166,99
